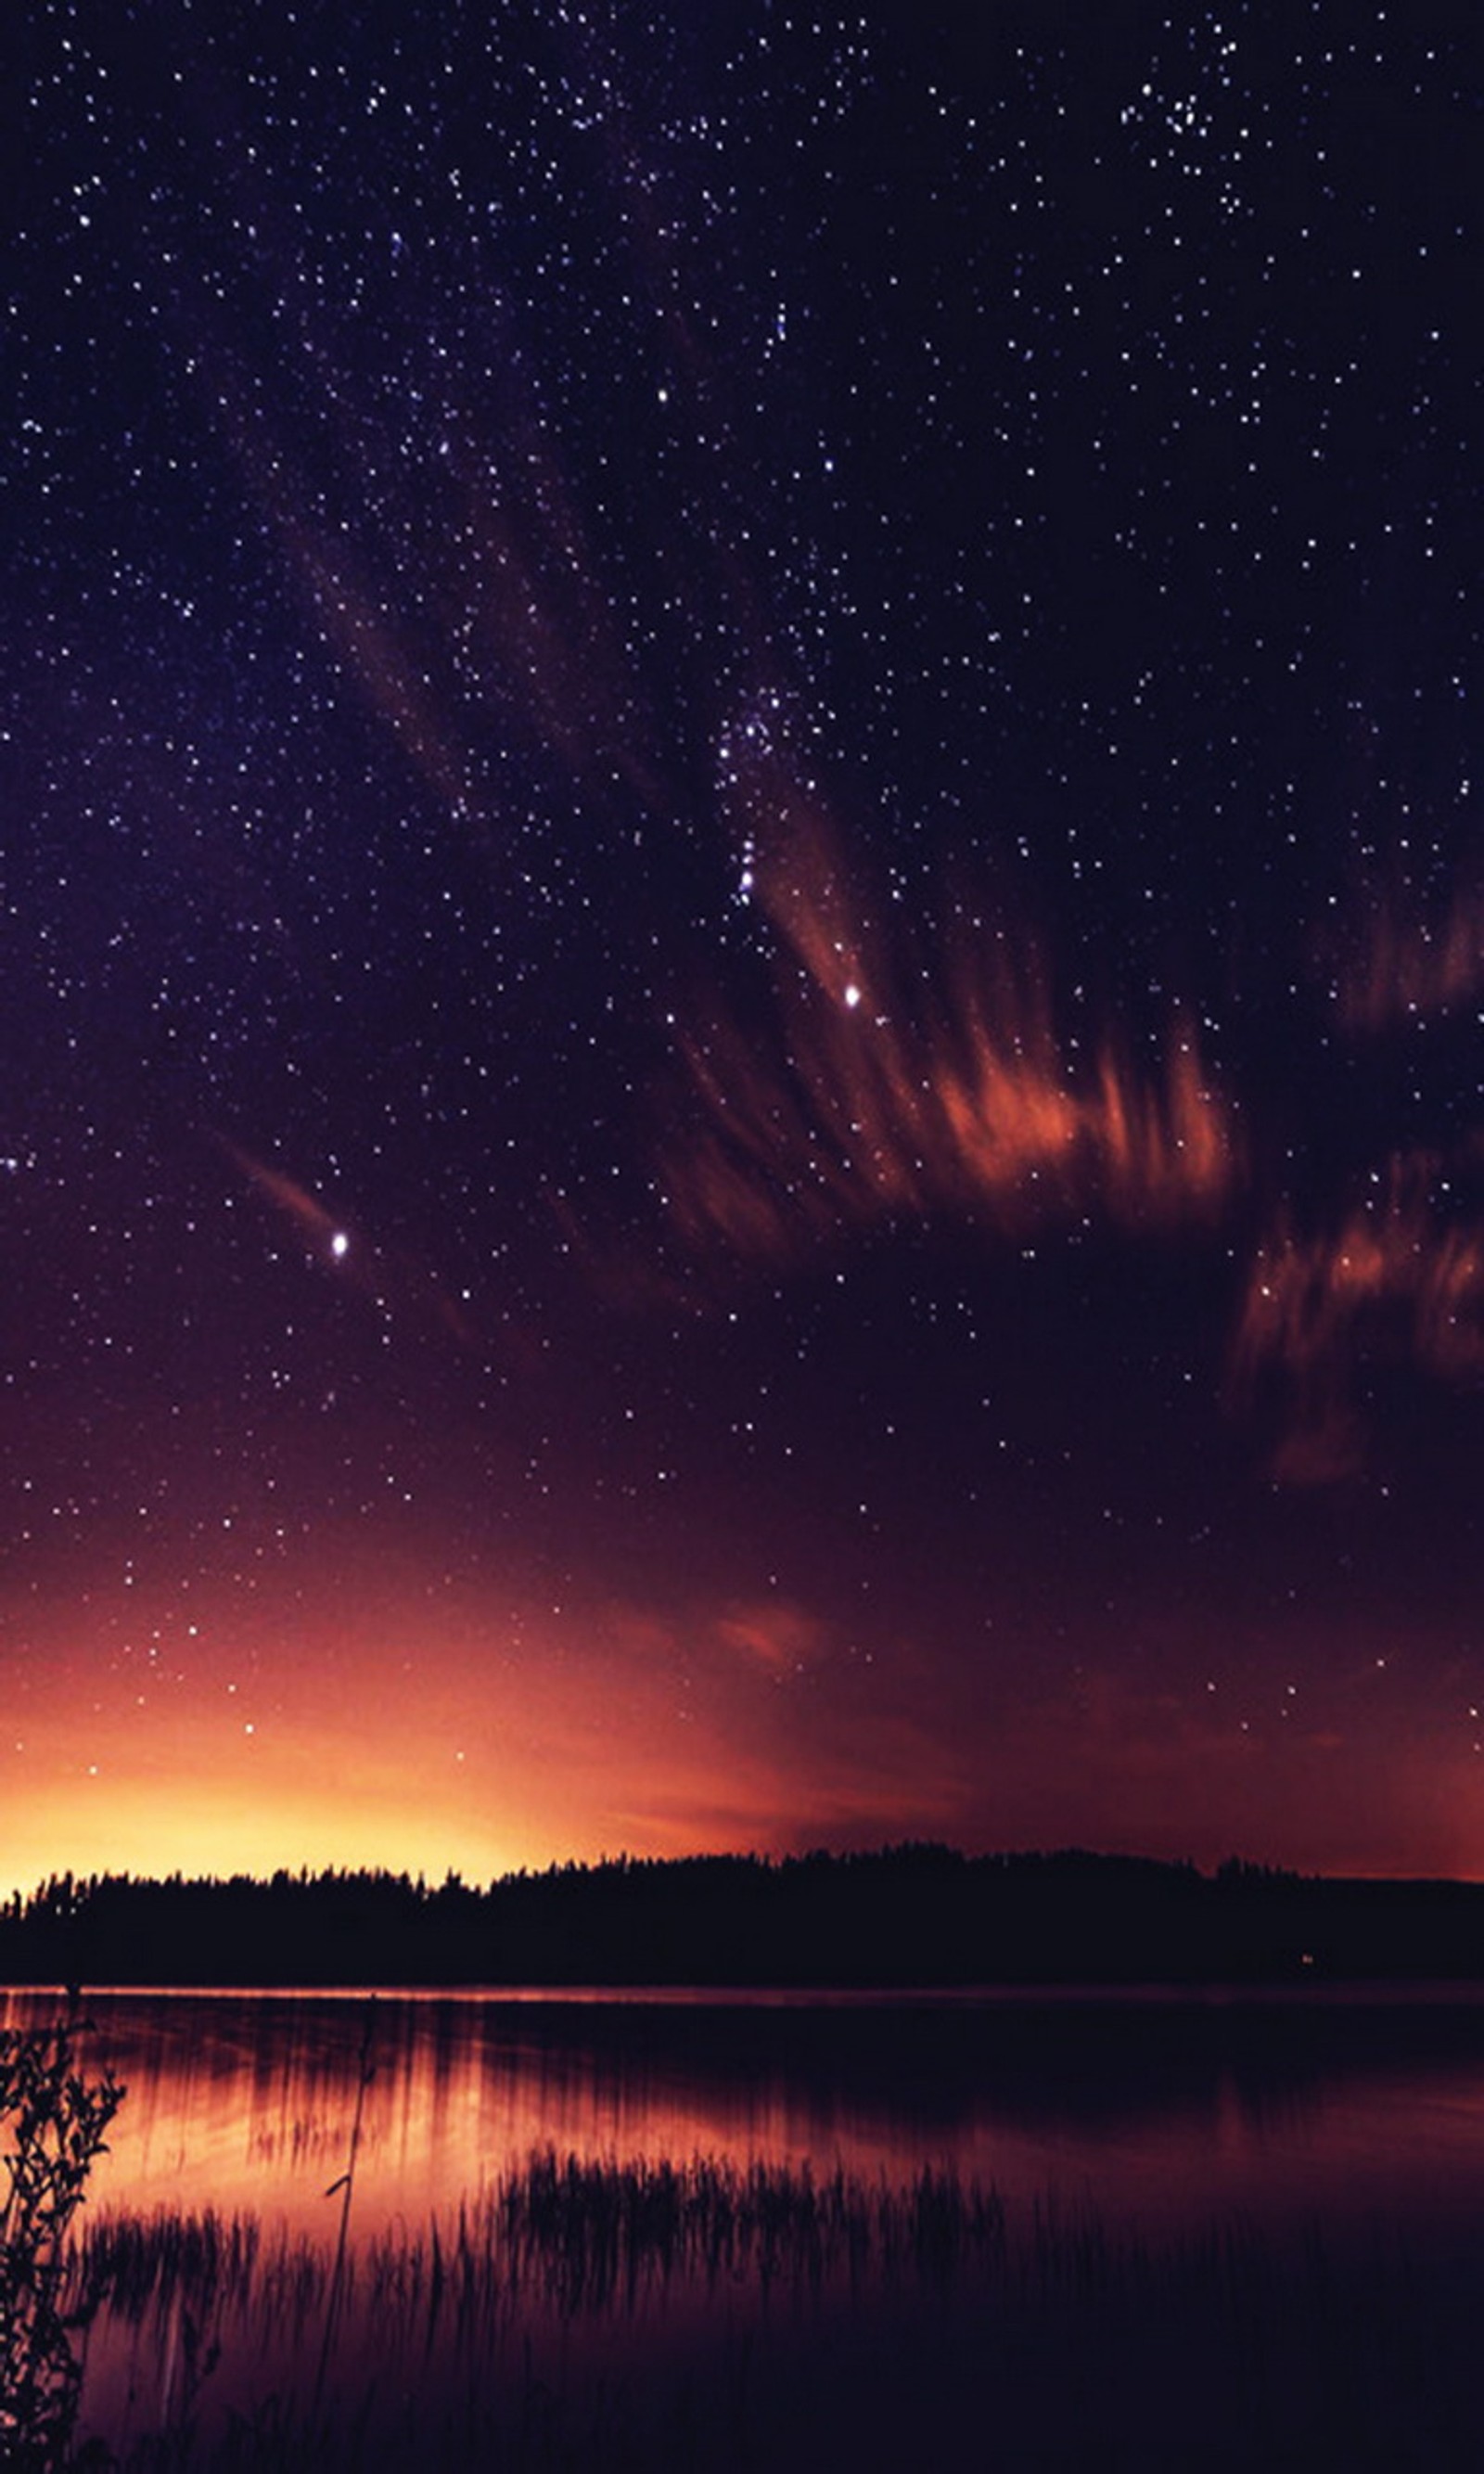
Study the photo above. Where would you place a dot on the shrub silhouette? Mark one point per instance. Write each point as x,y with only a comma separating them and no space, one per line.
54,2121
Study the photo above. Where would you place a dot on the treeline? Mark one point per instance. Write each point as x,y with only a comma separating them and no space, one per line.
908,1915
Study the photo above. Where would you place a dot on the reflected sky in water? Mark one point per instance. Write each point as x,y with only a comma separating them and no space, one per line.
1160,2112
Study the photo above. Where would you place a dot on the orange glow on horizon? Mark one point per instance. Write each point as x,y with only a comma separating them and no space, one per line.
357,1731
733,1728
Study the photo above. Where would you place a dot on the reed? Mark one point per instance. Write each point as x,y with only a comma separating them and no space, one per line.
581,2234
345,2185
612,2316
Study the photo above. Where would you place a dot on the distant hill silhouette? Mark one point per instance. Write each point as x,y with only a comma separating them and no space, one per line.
908,1915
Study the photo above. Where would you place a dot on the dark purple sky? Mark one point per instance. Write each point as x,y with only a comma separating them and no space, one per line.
745,935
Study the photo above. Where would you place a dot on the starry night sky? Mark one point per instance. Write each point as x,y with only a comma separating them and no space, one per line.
744,933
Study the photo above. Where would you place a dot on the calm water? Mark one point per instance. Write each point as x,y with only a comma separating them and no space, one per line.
1198,2199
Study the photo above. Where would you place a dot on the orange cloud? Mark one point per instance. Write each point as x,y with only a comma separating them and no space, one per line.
943,1089
373,1272
1394,1280
1396,967
303,1210
780,1638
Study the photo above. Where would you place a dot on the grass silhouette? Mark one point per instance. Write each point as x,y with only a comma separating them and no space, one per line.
614,2316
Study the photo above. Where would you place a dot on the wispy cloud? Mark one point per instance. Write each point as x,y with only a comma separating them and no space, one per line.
373,1271
1395,1280
890,1084
1398,961
775,1634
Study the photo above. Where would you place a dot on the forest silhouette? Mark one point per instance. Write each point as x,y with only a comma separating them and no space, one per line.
910,1915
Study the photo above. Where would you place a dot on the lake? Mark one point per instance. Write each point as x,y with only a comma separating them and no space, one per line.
668,2230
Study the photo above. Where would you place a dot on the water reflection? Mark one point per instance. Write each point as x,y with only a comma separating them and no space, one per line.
1163,2109
580,2231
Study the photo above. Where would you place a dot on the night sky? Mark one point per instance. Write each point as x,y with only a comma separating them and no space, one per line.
744,970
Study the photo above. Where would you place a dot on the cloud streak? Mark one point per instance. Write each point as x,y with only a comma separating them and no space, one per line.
375,1273
897,1077
1395,968
1394,1282
889,1088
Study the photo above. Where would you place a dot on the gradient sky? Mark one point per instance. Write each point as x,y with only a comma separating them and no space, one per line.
743,990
